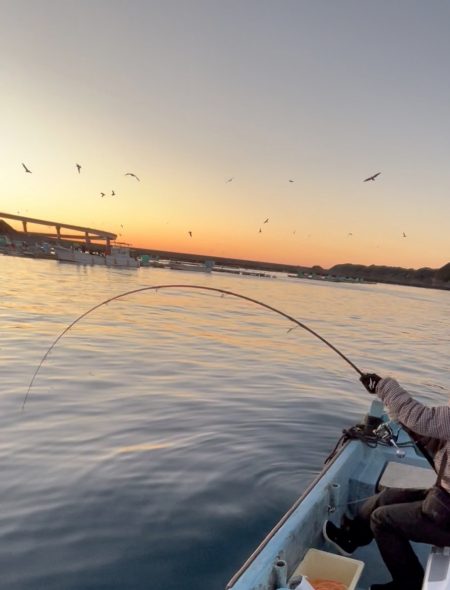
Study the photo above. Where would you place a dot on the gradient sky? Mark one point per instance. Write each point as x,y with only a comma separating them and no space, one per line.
189,93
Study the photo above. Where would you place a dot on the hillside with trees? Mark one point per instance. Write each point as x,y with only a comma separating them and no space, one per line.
422,277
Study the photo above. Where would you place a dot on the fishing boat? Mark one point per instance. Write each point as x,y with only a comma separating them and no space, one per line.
155,262
119,256
207,266
78,256
370,456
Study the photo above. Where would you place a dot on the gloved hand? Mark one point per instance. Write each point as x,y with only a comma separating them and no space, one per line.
370,381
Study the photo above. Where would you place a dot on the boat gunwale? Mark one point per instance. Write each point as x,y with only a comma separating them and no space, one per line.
329,462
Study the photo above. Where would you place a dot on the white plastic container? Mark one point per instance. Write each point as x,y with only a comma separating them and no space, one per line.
328,566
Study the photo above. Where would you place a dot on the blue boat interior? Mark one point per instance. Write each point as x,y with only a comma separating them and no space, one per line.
354,472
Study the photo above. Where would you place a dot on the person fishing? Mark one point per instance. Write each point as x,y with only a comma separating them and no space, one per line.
396,516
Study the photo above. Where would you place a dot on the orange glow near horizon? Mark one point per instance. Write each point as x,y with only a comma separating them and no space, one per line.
304,249
225,218
186,111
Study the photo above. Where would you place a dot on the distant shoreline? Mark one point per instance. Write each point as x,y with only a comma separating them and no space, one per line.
424,277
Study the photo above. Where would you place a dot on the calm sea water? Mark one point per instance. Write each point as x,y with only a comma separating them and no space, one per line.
167,432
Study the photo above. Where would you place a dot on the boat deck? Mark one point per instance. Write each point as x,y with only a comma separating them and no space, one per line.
352,475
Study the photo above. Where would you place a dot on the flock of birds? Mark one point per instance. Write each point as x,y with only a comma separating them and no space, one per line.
78,167
132,174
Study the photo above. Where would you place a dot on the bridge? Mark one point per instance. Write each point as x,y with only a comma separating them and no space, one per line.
86,234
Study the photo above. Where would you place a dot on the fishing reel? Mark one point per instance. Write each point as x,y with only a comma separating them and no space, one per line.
385,433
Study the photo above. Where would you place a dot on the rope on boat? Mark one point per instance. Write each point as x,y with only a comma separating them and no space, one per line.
183,286
366,436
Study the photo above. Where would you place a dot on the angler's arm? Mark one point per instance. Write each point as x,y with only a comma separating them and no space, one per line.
432,422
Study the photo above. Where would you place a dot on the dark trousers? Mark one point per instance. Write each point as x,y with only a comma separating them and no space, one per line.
396,516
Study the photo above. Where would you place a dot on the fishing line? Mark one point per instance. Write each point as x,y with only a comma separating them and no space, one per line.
199,287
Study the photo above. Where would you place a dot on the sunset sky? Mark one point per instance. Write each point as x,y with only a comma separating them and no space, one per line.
187,94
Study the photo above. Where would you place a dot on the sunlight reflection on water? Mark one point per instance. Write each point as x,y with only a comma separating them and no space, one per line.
168,431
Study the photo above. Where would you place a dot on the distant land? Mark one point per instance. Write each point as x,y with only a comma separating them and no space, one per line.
422,277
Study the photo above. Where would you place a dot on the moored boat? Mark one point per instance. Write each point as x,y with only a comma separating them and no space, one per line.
118,257
191,266
155,262
369,457
78,256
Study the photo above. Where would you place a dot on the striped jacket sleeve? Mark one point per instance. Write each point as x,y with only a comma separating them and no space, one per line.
426,421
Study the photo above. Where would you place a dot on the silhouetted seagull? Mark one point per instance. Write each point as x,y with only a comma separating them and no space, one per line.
230,179
349,233
78,167
291,180
134,175
26,169
113,194
260,231
404,235
102,195
190,233
372,177
267,220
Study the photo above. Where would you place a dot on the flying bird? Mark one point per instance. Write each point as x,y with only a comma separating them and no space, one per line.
267,220
190,233
113,194
349,233
291,180
260,231
102,195
132,174
78,167
372,177
229,180
26,169
404,235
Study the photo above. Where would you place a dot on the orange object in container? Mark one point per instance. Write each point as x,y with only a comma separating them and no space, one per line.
320,584
336,571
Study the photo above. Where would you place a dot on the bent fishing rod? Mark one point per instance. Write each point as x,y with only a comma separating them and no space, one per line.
184,286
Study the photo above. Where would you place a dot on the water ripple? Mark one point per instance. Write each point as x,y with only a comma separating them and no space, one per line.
167,432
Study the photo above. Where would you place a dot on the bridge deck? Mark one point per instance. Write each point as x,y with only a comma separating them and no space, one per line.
88,233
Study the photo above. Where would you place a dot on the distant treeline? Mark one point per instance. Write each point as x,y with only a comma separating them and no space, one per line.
422,277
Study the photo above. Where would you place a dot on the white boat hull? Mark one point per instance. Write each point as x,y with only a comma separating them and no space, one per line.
79,257
189,267
122,261
118,258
